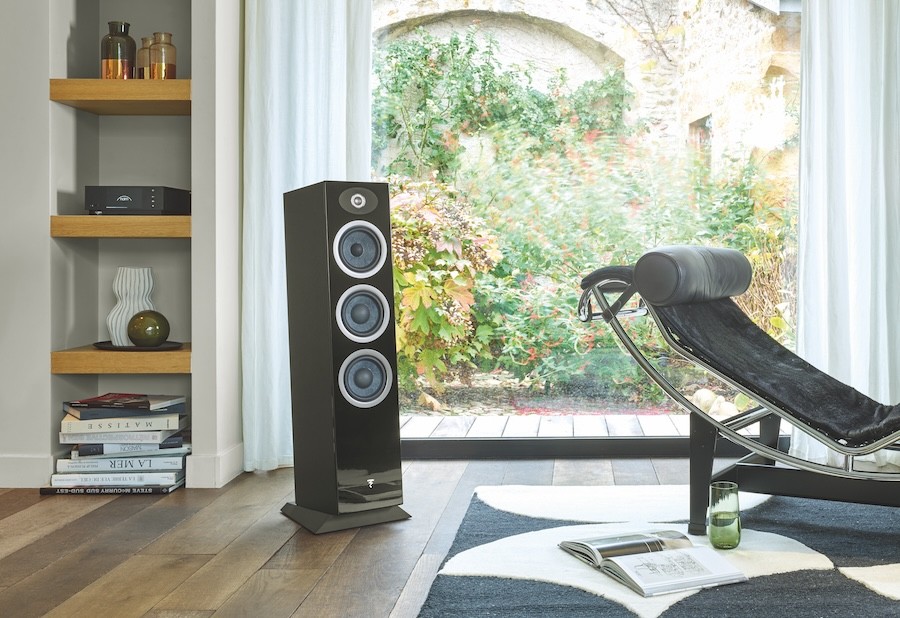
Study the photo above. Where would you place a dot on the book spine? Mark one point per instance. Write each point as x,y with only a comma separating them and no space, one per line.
149,423
120,437
113,448
115,479
121,464
81,491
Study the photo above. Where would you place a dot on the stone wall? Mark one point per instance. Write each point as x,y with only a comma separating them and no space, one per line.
726,63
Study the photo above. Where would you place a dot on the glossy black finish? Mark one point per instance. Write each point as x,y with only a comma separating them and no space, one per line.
346,440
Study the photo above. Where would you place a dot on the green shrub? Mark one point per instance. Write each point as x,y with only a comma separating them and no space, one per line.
438,247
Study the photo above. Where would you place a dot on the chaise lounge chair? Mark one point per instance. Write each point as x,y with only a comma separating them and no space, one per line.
688,290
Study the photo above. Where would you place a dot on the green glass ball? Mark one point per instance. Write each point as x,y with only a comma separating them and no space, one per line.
148,329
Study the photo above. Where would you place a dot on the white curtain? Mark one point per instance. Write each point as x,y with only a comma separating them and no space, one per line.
307,118
849,271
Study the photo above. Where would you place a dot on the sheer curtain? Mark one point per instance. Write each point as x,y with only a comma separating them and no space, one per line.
849,271
306,118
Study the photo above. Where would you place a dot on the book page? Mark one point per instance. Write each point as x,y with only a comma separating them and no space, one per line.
673,570
593,549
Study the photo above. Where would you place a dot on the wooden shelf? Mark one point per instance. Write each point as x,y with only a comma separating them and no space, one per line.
88,359
125,97
120,226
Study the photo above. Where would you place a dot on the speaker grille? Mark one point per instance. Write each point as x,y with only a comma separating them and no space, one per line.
360,249
362,313
365,378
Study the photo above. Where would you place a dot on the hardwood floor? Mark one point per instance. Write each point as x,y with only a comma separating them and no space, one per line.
230,552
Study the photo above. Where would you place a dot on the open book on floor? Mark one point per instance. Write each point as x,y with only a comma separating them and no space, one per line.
656,562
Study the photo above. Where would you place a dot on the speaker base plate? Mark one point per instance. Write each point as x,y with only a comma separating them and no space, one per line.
318,522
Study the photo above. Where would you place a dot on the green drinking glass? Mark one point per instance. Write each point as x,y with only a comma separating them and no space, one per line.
724,528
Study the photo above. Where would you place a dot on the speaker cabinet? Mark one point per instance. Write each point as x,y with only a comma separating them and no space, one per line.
343,356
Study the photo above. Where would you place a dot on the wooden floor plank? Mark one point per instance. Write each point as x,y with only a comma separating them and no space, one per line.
14,500
105,546
377,581
476,473
229,552
305,550
231,568
273,593
132,588
43,517
227,517
52,546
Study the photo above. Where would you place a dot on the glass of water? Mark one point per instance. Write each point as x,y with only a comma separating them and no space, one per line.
724,528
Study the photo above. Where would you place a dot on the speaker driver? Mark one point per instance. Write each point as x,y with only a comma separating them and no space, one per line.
360,249
362,313
365,378
358,200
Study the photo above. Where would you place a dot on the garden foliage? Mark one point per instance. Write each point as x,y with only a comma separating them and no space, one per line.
503,197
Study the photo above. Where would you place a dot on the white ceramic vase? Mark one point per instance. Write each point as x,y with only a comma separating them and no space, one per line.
132,287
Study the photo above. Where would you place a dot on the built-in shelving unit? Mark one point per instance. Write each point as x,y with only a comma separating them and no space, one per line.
121,97
69,129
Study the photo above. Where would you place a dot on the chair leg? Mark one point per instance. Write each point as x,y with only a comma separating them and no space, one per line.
769,430
702,451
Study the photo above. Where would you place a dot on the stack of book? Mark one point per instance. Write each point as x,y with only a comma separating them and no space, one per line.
122,443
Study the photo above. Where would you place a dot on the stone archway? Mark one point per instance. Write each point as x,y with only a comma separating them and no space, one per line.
581,36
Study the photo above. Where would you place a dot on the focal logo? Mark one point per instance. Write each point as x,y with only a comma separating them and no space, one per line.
124,198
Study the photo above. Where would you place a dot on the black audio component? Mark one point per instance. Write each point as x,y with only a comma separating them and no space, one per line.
343,356
99,200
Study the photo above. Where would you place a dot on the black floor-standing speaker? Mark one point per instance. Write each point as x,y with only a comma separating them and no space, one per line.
343,356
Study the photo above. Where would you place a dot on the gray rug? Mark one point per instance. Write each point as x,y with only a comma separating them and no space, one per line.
805,558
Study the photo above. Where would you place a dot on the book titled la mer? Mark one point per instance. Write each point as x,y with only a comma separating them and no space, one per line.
70,424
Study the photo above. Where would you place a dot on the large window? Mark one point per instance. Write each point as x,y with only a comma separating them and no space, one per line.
526,149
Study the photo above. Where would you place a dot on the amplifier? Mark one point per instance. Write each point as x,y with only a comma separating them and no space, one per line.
137,200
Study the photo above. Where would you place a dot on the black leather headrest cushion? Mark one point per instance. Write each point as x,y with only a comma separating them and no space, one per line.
690,274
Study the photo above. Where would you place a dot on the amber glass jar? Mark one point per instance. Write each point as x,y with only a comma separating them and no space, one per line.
142,69
117,51
162,56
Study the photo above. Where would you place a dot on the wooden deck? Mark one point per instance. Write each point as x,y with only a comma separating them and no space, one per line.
414,426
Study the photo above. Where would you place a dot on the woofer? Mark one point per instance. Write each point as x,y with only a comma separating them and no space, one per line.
360,249
365,378
362,313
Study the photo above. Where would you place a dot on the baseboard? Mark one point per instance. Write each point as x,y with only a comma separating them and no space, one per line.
213,471
25,470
